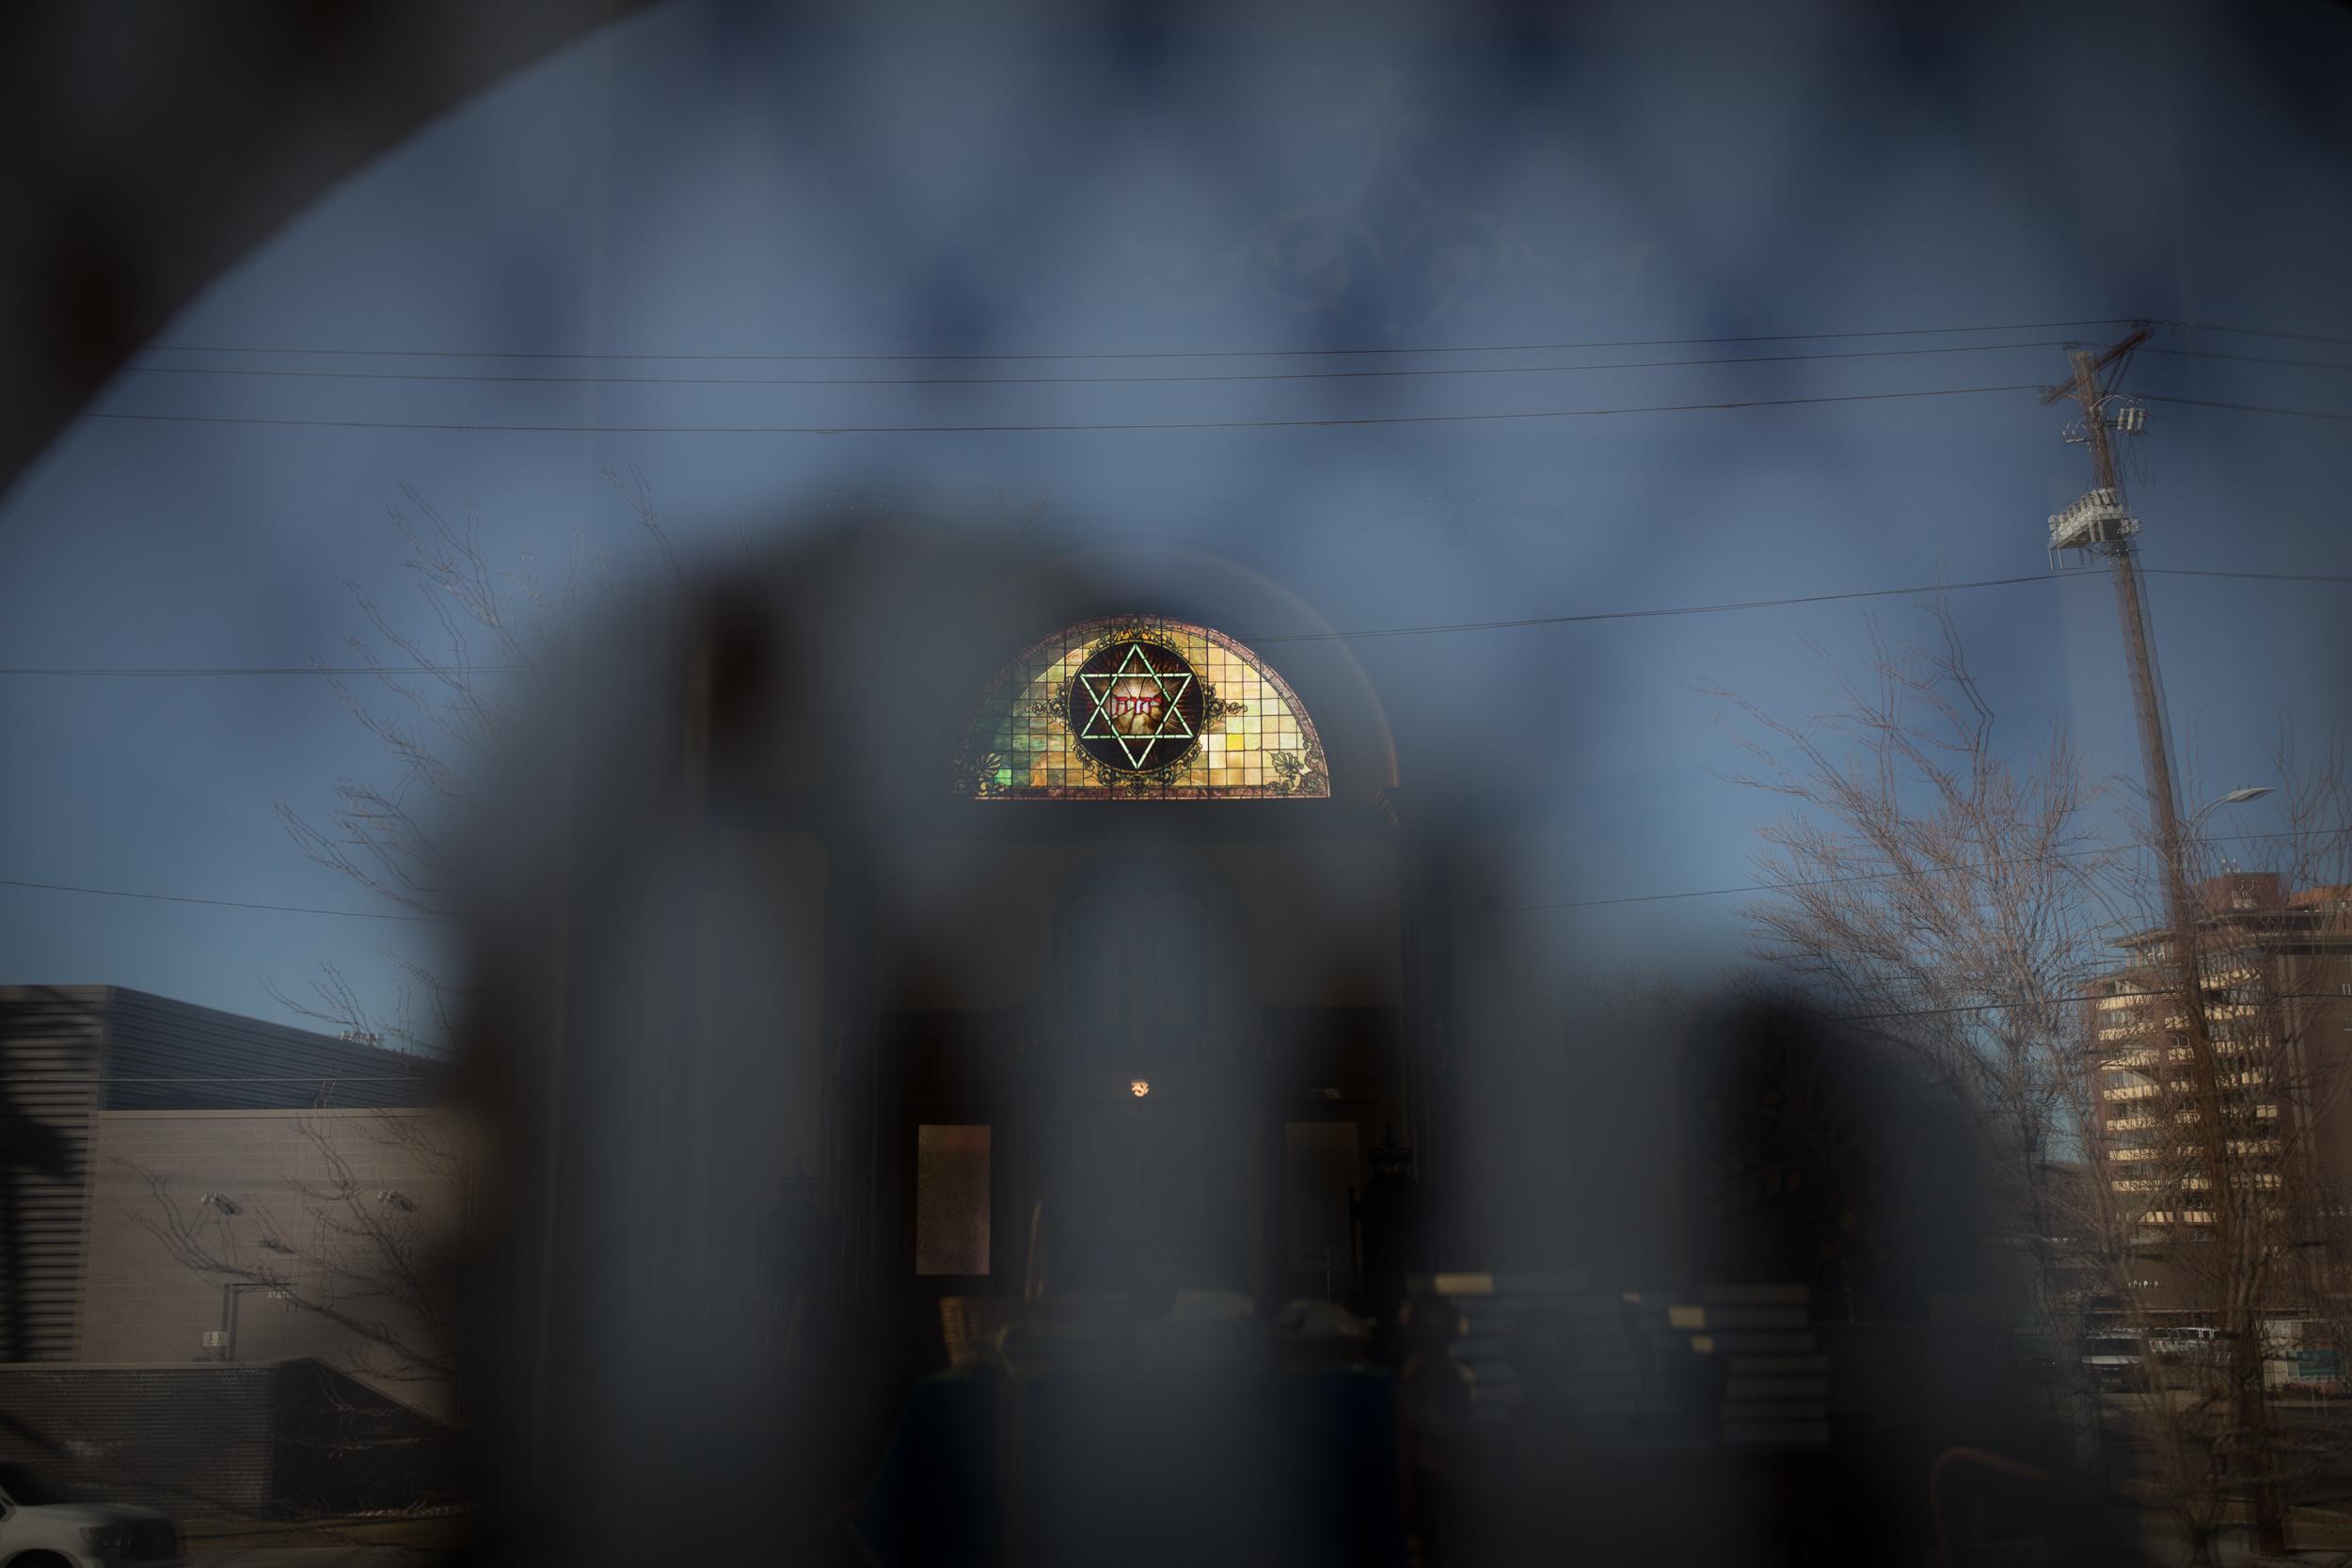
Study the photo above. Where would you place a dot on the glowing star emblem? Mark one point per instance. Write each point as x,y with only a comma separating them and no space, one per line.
1137,707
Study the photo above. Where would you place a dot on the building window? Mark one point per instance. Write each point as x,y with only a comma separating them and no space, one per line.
1140,706
951,1199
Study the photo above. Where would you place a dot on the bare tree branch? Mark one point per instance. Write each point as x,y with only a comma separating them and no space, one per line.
1961,898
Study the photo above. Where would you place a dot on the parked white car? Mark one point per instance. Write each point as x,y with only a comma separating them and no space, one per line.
42,1526
2113,1360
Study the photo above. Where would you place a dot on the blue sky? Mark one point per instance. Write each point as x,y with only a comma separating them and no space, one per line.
723,179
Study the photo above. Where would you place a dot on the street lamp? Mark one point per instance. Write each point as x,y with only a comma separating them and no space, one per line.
2237,797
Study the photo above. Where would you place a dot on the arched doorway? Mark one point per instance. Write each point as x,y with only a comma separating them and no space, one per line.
1147,1017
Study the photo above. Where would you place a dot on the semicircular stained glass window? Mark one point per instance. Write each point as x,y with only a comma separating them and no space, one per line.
1140,706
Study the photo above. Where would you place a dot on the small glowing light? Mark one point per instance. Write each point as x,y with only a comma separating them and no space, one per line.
1138,1087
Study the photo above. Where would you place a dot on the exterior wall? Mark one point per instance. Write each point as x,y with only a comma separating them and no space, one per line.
52,1038
284,1440
191,1441
70,1054
71,1049
2320,1034
142,1302
2280,1014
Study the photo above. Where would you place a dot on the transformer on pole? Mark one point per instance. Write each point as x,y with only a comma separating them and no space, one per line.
2098,524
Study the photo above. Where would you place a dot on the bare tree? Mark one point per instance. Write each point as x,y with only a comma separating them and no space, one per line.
365,1261
452,707
354,1255
1962,905
434,710
437,711
1945,899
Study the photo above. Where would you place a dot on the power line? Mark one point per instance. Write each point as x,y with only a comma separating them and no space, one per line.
1282,637
1858,877
474,376
161,672
345,669
223,903
335,1077
2257,332
2239,359
2245,407
1767,604
619,357
1331,421
2254,577
1131,353
1648,614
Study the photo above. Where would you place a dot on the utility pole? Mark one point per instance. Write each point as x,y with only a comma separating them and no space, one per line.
2101,524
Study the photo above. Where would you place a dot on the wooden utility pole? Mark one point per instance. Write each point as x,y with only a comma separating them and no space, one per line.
2111,536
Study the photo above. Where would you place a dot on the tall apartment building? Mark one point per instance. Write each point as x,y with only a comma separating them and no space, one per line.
2276,976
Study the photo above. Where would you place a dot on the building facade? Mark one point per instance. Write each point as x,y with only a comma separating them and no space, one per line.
1088,927
260,1236
2276,971
185,1185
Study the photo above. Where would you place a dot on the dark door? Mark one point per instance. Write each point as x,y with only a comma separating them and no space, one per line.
1148,1132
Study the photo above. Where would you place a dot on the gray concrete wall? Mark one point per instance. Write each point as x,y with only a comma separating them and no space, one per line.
299,1237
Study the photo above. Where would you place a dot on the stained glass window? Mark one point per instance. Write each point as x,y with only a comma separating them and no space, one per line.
1140,706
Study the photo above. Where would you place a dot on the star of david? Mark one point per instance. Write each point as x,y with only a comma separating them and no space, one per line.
1136,681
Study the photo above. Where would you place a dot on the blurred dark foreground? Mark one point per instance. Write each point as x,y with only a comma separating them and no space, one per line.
888,1170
